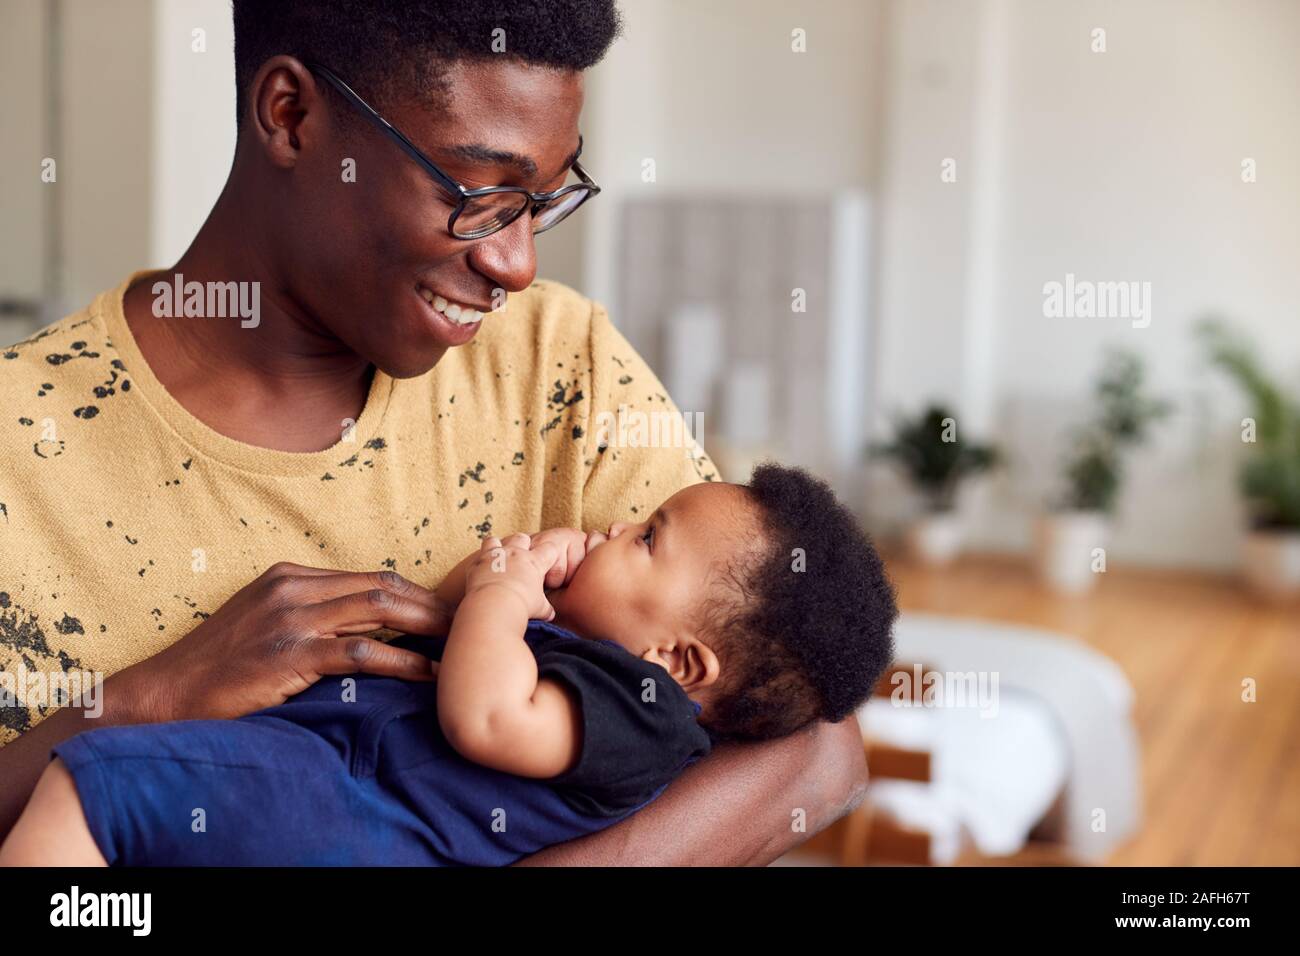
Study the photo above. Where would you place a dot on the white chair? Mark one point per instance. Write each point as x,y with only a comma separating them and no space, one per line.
1049,749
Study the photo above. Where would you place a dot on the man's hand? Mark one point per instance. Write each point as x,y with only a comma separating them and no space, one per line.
519,566
276,637
279,635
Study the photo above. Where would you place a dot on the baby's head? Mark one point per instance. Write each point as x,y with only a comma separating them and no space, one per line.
765,602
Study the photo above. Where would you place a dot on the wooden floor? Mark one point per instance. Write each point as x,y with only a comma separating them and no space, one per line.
1221,777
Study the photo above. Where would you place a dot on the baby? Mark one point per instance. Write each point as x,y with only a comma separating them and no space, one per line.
581,674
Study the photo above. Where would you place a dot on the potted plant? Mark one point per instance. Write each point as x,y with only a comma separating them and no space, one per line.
1070,538
1270,474
936,461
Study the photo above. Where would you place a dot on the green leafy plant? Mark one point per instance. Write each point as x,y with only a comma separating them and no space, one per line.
1270,475
927,449
1094,466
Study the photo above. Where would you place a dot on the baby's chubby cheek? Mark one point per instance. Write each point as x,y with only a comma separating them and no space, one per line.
587,597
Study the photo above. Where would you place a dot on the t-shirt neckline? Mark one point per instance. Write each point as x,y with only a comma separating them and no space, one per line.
210,443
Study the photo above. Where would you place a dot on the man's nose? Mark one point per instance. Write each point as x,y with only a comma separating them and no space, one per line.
508,259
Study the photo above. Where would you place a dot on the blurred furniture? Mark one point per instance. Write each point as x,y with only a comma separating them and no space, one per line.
873,834
1187,641
948,782
1048,763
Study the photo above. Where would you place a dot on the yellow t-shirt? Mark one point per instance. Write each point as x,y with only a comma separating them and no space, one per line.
124,520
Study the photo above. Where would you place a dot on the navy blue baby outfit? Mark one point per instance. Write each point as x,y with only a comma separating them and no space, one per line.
360,774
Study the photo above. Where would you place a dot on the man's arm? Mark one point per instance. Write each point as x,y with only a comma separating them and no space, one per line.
736,807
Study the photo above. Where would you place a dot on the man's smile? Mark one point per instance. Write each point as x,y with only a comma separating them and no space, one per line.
457,312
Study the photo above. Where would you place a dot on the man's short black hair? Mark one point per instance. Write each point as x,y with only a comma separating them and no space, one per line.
804,632
384,48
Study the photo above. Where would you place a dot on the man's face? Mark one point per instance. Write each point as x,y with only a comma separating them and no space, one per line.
369,252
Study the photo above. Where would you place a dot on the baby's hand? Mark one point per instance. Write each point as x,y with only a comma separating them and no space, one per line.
518,564
572,546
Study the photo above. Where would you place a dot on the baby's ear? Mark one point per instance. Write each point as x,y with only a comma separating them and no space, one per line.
695,665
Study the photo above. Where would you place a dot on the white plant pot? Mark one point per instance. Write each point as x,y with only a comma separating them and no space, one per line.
935,538
1065,549
1271,564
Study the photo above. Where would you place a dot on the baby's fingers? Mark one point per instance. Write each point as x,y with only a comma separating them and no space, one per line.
571,550
575,552
556,576
545,556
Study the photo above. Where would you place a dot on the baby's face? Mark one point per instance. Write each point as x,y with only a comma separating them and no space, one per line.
642,587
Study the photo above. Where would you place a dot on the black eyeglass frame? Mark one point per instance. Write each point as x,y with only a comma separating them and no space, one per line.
457,191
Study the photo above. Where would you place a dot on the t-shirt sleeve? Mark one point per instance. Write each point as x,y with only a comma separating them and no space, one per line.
641,448
639,728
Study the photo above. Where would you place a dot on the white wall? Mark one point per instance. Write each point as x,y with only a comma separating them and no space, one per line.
103,162
23,145
108,170
714,95
147,130
194,119
1123,165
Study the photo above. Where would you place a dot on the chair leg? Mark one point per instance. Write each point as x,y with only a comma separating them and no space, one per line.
855,847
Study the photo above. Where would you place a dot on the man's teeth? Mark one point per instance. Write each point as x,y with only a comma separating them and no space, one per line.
458,314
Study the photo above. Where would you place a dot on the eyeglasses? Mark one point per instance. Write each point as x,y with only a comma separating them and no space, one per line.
479,212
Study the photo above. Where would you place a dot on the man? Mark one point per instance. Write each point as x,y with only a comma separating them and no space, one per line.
351,368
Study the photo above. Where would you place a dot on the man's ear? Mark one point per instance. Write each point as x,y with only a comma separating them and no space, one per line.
283,96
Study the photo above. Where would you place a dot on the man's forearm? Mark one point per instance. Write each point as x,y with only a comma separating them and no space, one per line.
25,759
743,805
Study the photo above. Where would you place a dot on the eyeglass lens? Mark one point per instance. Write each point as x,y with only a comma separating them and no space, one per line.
484,215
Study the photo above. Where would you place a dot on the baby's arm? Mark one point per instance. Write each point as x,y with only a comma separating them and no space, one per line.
52,831
492,707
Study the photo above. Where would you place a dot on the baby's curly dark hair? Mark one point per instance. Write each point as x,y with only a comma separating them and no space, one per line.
384,48
803,632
